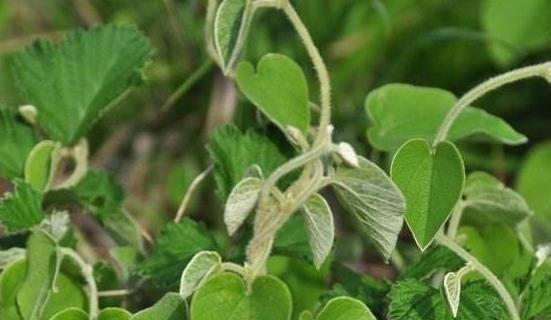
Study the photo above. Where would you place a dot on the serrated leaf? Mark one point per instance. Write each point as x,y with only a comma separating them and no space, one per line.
16,141
203,265
432,181
320,226
536,302
488,200
279,89
101,193
269,299
87,70
171,307
345,308
70,314
42,269
402,112
375,200
434,259
241,201
22,209
173,250
231,26
517,27
234,152
452,288
114,314
413,300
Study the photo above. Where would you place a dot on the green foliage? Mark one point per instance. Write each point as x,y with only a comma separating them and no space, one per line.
345,308
16,141
88,71
21,209
241,201
487,200
536,302
176,245
412,300
114,314
203,265
234,152
279,89
171,307
374,199
432,181
517,27
434,259
320,226
402,112
269,299
101,194
70,314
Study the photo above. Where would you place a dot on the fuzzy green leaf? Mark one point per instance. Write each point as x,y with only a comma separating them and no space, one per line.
517,27
233,154
87,70
16,141
241,201
22,209
171,307
320,226
269,299
432,181
375,200
279,89
231,26
173,250
345,308
402,112
203,265
488,200
434,259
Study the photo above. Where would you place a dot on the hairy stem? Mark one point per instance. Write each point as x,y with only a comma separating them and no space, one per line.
484,271
88,274
539,70
455,220
319,65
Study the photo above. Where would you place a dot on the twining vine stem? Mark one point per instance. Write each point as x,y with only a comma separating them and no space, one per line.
538,70
187,197
484,271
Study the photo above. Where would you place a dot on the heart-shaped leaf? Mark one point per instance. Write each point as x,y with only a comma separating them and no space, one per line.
114,314
40,165
231,26
370,194
198,269
402,112
269,299
432,181
278,87
321,230
171,307
345,308
74,82
70,314
241,202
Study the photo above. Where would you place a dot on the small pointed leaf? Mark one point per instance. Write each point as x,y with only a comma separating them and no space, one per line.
452,288
345,308
321,229
171,307
241,202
